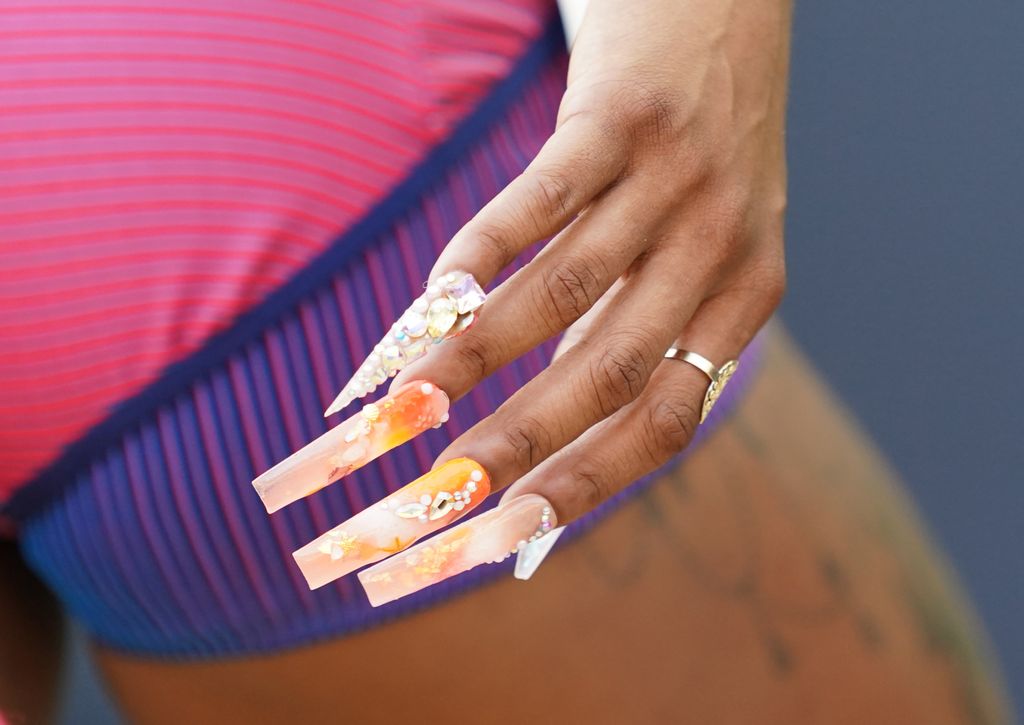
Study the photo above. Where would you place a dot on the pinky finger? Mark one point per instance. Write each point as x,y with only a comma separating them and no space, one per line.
643,436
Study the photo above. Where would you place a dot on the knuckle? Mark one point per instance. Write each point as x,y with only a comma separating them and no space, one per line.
700,162
727,215
621,370
731,208
722,230
529,441
474,355
767,282
652,108
671,424
592,487
497,240
552,194
591,117
570,289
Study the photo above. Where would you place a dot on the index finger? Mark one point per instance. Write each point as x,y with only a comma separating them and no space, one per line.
575,165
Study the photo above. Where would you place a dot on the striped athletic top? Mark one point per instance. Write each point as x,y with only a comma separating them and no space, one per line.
209,212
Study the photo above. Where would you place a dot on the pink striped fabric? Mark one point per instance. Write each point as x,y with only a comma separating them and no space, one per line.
165,165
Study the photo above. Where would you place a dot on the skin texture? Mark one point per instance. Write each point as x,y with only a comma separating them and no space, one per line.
664,185
777,576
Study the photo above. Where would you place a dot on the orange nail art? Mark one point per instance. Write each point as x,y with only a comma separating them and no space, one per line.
490,537
379,427
427,504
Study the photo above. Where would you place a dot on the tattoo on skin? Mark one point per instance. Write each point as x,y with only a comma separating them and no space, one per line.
745,588
879,520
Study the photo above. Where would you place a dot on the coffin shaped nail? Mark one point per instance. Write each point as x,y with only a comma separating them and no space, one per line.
490,537
447,308
530,557
379,427
422,507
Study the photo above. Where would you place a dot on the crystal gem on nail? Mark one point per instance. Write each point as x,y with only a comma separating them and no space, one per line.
441,316
445,309
467,294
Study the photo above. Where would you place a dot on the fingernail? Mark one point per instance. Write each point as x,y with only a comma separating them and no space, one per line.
422,507
531,556
447,308
379,427
489,537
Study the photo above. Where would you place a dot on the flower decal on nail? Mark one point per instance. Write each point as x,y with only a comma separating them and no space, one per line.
491,537
337,544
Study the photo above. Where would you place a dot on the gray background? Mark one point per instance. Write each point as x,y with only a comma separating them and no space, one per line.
905,267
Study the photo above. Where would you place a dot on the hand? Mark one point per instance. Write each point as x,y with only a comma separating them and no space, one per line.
664,185
664,188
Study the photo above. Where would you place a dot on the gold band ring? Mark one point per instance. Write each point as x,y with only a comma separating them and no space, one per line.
719,376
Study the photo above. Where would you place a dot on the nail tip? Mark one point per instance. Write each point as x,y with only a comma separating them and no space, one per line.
375,601
312,582
263,499
332,409
341,402
529,559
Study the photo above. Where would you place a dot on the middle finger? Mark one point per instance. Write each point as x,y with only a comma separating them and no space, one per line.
596,377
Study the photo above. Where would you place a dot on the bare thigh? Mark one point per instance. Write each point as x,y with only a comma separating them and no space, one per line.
777,576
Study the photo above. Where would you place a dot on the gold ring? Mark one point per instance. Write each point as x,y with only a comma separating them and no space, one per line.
719,376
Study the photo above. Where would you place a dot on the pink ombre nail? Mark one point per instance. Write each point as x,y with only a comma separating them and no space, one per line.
490,537
429,503
379,427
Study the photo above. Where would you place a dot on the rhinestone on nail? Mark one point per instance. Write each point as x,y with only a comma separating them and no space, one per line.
447,308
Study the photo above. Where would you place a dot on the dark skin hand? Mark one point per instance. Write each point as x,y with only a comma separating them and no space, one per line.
664,185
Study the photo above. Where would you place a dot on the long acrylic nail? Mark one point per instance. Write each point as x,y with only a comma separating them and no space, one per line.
379,427
447,308
490,537
531,556
422,507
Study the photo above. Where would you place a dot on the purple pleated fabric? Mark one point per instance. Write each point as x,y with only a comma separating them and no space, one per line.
151,533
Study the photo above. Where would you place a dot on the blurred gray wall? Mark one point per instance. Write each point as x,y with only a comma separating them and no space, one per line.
906,260
906,265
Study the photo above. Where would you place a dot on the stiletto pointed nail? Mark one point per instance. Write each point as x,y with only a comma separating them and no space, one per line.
489,537
379,427
531,556
422,507
447,308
